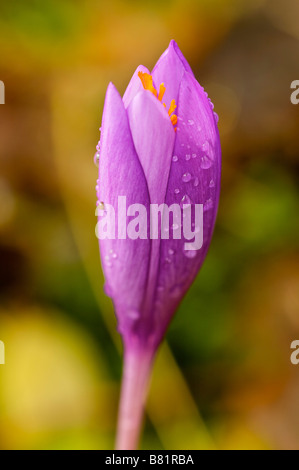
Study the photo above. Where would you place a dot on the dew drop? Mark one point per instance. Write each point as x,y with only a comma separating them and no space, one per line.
212,184
97,188
194,155
133,314
190,122
186,177
175,226
171,252
176,191
208,205
114,256
167,260
216,117
188,156
175,158
196,182
206,147
96,159
190,253
205,163
185,200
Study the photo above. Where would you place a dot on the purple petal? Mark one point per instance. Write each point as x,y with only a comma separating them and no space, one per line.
134,86
181,56
169,70
125,262
194,178
153,135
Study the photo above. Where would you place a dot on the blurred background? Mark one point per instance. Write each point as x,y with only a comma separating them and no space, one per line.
223,378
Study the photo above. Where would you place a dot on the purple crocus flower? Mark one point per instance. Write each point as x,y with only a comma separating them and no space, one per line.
159,144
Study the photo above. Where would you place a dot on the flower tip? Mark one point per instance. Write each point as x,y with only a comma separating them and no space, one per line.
111,93
173,44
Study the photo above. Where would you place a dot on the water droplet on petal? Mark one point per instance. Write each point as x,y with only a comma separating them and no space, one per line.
205,163
190,253
208,205
216,117
97,188
171,251
194,155
196,182
175,226
190,122
176,191
114,256
212,184
206,147
186,177
188,156
96,159
175,158
167,260
133,314
185,200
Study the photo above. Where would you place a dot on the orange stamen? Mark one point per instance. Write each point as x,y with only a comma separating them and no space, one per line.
171,107
147,82
174,119
161,92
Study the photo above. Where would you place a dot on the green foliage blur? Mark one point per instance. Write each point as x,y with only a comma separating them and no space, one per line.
223,378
